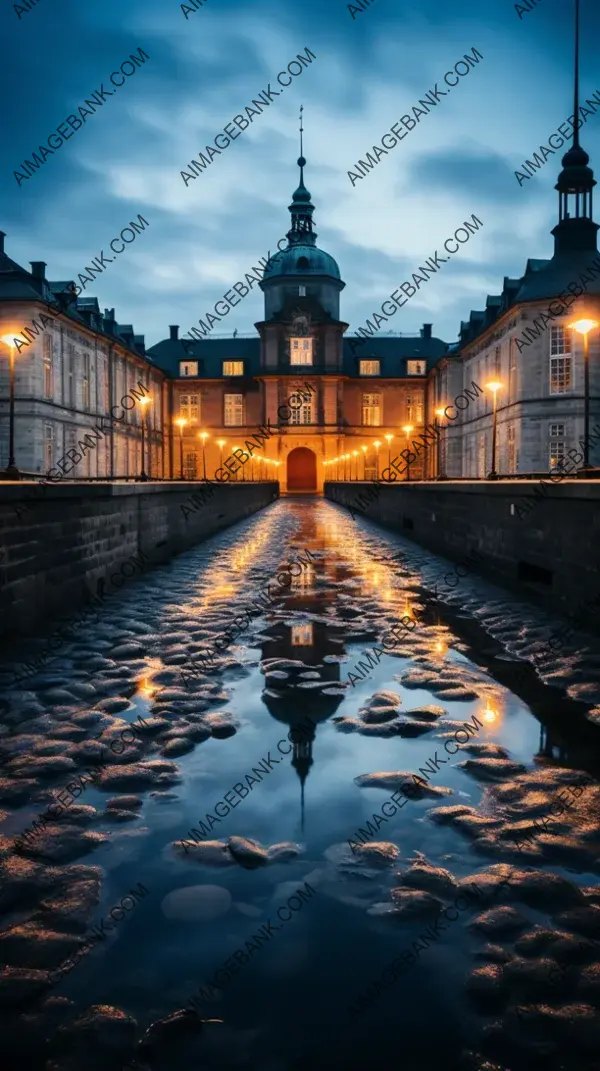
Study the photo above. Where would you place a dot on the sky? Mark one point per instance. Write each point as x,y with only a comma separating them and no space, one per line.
368,72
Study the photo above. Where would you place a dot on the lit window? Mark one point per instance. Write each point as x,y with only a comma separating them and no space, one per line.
371,410
188,368
369,368
557,440
234,410
233,368
302,635
301,291
416,368
414,408
302,414
48,446
189,407
561,370
190,466
301,351
48,367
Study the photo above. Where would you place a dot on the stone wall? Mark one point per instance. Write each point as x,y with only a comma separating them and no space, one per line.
61,544
544,539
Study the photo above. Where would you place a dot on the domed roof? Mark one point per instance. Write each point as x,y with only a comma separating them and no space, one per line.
302,259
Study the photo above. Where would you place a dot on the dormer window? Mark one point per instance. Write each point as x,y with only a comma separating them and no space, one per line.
369,368
301,291
233,368
416,368
188,368
301,351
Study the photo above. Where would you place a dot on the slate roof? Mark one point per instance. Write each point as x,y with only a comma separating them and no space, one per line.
211,352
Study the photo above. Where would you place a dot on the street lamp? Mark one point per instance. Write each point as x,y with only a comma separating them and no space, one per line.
388,439
494,386
364,453
221,443
143,402
376,444
11,471
440,414
181,423
407,430
583,327
204,436
355,456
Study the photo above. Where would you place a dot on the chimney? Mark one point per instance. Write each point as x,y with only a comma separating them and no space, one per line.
38,269
109,321
426,330
174,329
2,237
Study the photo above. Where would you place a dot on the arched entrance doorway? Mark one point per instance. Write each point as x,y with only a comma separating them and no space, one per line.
301,470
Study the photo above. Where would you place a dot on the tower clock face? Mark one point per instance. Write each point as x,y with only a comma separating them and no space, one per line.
300,323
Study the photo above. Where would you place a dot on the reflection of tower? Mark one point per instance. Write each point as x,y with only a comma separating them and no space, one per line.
302,762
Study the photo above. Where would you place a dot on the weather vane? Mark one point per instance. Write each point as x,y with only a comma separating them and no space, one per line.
301,129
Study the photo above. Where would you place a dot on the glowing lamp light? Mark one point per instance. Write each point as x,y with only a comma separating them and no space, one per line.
583,327
441,413
8,340
493,386
489,714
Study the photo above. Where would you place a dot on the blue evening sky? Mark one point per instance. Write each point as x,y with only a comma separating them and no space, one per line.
368,72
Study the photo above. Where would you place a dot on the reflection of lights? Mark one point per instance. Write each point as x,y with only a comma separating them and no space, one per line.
302,635
489,714
304,580
145,689
440,647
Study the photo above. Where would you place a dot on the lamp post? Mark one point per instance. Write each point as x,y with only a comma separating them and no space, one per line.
364,454
203,435
494,387
221,443
407,430
376,444
355,456
143,402
441,475
11,471
583,327
181,423
388,439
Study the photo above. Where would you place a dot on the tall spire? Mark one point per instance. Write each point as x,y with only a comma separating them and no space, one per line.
301,209
576,230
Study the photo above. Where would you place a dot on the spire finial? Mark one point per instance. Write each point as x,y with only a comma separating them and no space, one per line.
576,88
301,129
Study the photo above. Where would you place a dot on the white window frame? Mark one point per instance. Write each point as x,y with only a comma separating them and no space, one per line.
233,411
414,408
557,445
301,350
369,367
561,380
370,410
48,446
189,407
48,368
304,413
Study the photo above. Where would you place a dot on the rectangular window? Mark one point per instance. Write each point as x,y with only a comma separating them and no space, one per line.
86,381
71,374
188,368
301,351
189,407
557,445
561,367
369,368
233,368
416,368
304,414
371,410
301,291
414,408
48,447
234,410
190,466
512,371
302,635
511,449
48,367
497,362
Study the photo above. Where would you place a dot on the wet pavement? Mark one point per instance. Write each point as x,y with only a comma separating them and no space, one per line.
337,867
